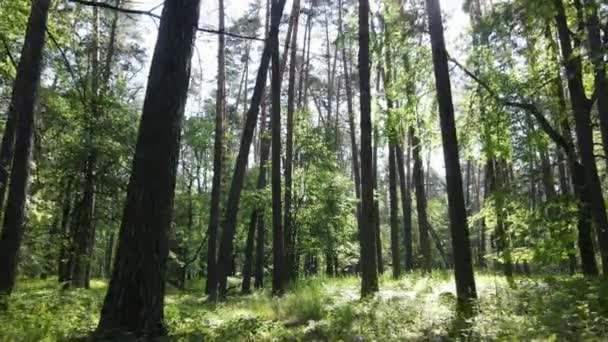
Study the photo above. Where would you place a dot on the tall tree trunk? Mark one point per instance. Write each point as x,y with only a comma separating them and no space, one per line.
135,297
21,109
394,204
421,201
463,268
218,160
108,257
576,170
304,66
85,230
66,213
257,217
236,187
596,50
379,260
581,107
406,207
278,239
367,236
290,236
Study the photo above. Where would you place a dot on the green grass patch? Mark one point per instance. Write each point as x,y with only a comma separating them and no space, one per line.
415,307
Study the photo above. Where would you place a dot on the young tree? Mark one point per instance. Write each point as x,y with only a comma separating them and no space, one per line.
21,115
463,267
135,297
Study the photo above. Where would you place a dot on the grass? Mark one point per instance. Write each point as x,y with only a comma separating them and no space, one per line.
415,307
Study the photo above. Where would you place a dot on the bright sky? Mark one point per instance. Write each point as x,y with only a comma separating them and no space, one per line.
457,23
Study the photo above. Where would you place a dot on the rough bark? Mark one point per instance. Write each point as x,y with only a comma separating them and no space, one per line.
367,236
24,97
424,239
278,238
260,239
463,268
290,234
394,213
406,207
218,160
135,297
597,56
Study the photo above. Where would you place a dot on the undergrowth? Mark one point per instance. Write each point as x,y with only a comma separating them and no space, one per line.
415,307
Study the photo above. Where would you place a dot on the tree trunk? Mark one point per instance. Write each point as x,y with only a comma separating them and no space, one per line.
463,268
290,236
394,204
581,107
21,109
135,297
257,218
236,187
406,207
260,239
218,160
597,56
421,201
278,238
108,257
367,236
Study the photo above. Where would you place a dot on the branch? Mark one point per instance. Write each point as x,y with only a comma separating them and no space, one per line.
150,13
8,51
68,66
531,108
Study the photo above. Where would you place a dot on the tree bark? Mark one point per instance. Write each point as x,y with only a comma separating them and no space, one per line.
21,109
367,236
290,234
463,268
597,56
135,297
218,160
406,207
278,238
421,201
394,204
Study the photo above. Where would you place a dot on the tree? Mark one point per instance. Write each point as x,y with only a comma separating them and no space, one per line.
251,118
463,267
367,236
581,107
135,297
21,114
290,233
218,155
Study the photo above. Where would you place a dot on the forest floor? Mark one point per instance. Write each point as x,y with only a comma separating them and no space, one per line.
414,307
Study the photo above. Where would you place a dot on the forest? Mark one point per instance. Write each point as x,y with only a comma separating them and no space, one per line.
303,170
